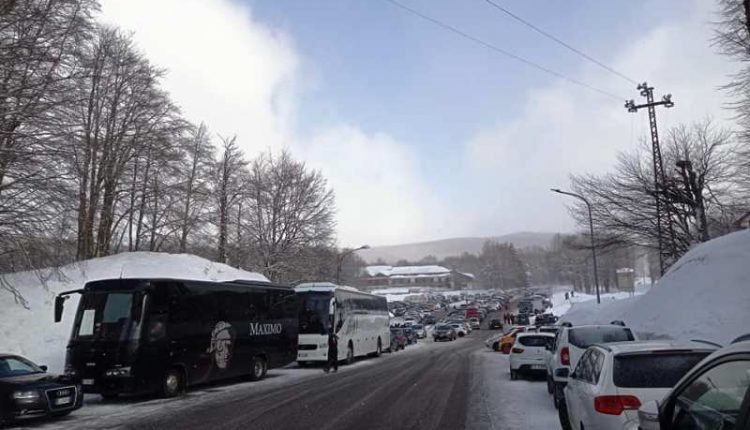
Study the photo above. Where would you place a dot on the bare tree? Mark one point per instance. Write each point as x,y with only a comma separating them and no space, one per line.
698,192
198,151
288,209
37,62
228,187
732,38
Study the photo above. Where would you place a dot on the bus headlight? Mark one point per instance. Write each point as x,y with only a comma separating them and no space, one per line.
118,372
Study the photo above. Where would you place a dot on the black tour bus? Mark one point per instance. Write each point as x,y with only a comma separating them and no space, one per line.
161,335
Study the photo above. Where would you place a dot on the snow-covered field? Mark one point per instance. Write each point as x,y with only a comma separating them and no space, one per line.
705,295
32,333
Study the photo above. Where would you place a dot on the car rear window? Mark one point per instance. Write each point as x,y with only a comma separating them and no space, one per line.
661,370
583,337
534,340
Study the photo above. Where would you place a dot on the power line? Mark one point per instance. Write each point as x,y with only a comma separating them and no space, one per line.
571,48
502,51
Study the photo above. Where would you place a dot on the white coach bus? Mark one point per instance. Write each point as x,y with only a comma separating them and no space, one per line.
360,320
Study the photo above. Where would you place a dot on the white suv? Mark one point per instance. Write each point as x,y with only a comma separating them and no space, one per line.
611,381
570,344
527,354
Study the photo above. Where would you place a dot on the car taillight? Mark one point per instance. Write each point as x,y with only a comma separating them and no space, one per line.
517,350
614,405
565,356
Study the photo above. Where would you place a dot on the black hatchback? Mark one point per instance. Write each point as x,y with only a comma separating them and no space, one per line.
28,391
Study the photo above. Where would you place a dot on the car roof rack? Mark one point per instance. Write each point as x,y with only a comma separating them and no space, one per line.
566,324
618,322
742,338
708,342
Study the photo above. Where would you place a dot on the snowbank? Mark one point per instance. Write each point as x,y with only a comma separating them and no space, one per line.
705,295
32,332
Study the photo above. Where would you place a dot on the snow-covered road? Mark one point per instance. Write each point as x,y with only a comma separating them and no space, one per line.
496,402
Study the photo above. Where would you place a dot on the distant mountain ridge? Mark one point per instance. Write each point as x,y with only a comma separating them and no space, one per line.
450,247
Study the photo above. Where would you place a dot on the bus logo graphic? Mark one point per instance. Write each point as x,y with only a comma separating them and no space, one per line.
258,329
222,341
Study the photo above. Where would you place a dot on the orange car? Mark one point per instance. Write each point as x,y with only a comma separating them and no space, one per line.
506,342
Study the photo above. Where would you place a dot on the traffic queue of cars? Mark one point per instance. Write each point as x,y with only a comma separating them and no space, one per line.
604,377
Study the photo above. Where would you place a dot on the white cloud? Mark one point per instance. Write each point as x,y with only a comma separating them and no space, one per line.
241,77
224,68
380,195
563,129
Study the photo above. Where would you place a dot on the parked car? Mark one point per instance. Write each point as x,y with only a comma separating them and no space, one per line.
28,391
522,319
419,330
611,381
527,354
545,319
554,329
398,339
474,323
429,319
444,332
496,325
570,344
493,342
507,341
411,335
460,329
715,394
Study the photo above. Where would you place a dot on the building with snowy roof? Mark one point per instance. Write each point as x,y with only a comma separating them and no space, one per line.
414,276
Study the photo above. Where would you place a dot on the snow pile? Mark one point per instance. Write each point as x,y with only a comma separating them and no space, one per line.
560,306
705,295
32,332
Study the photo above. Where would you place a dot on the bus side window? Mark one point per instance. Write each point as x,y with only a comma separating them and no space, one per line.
276,306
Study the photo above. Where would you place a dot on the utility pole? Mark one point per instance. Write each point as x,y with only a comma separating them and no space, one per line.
663,215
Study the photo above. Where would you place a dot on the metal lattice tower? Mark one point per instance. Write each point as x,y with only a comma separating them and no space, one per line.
663,215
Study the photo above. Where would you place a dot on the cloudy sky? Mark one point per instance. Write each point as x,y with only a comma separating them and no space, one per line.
423,134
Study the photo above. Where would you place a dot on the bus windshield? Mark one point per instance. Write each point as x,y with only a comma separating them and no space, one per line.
106,316
313,317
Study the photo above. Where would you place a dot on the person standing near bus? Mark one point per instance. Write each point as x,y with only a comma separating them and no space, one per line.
333,353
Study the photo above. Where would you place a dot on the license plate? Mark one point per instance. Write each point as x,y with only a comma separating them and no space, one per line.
63,401
303,354
88,382
538,366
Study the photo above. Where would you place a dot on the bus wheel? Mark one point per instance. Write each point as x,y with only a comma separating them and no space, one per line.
350,354
259,369
172,383
379,351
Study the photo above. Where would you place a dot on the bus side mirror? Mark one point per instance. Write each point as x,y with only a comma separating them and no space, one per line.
59,304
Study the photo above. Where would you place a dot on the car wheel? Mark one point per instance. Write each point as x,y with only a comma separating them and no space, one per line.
550,385
172,383
562,413
557,396
259,368
350,354
513,375
379,351
496,346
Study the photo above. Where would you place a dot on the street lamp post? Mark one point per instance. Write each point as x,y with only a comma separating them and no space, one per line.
591,230
341,260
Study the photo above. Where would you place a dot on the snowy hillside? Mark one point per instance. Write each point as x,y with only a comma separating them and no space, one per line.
705,295
32,332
